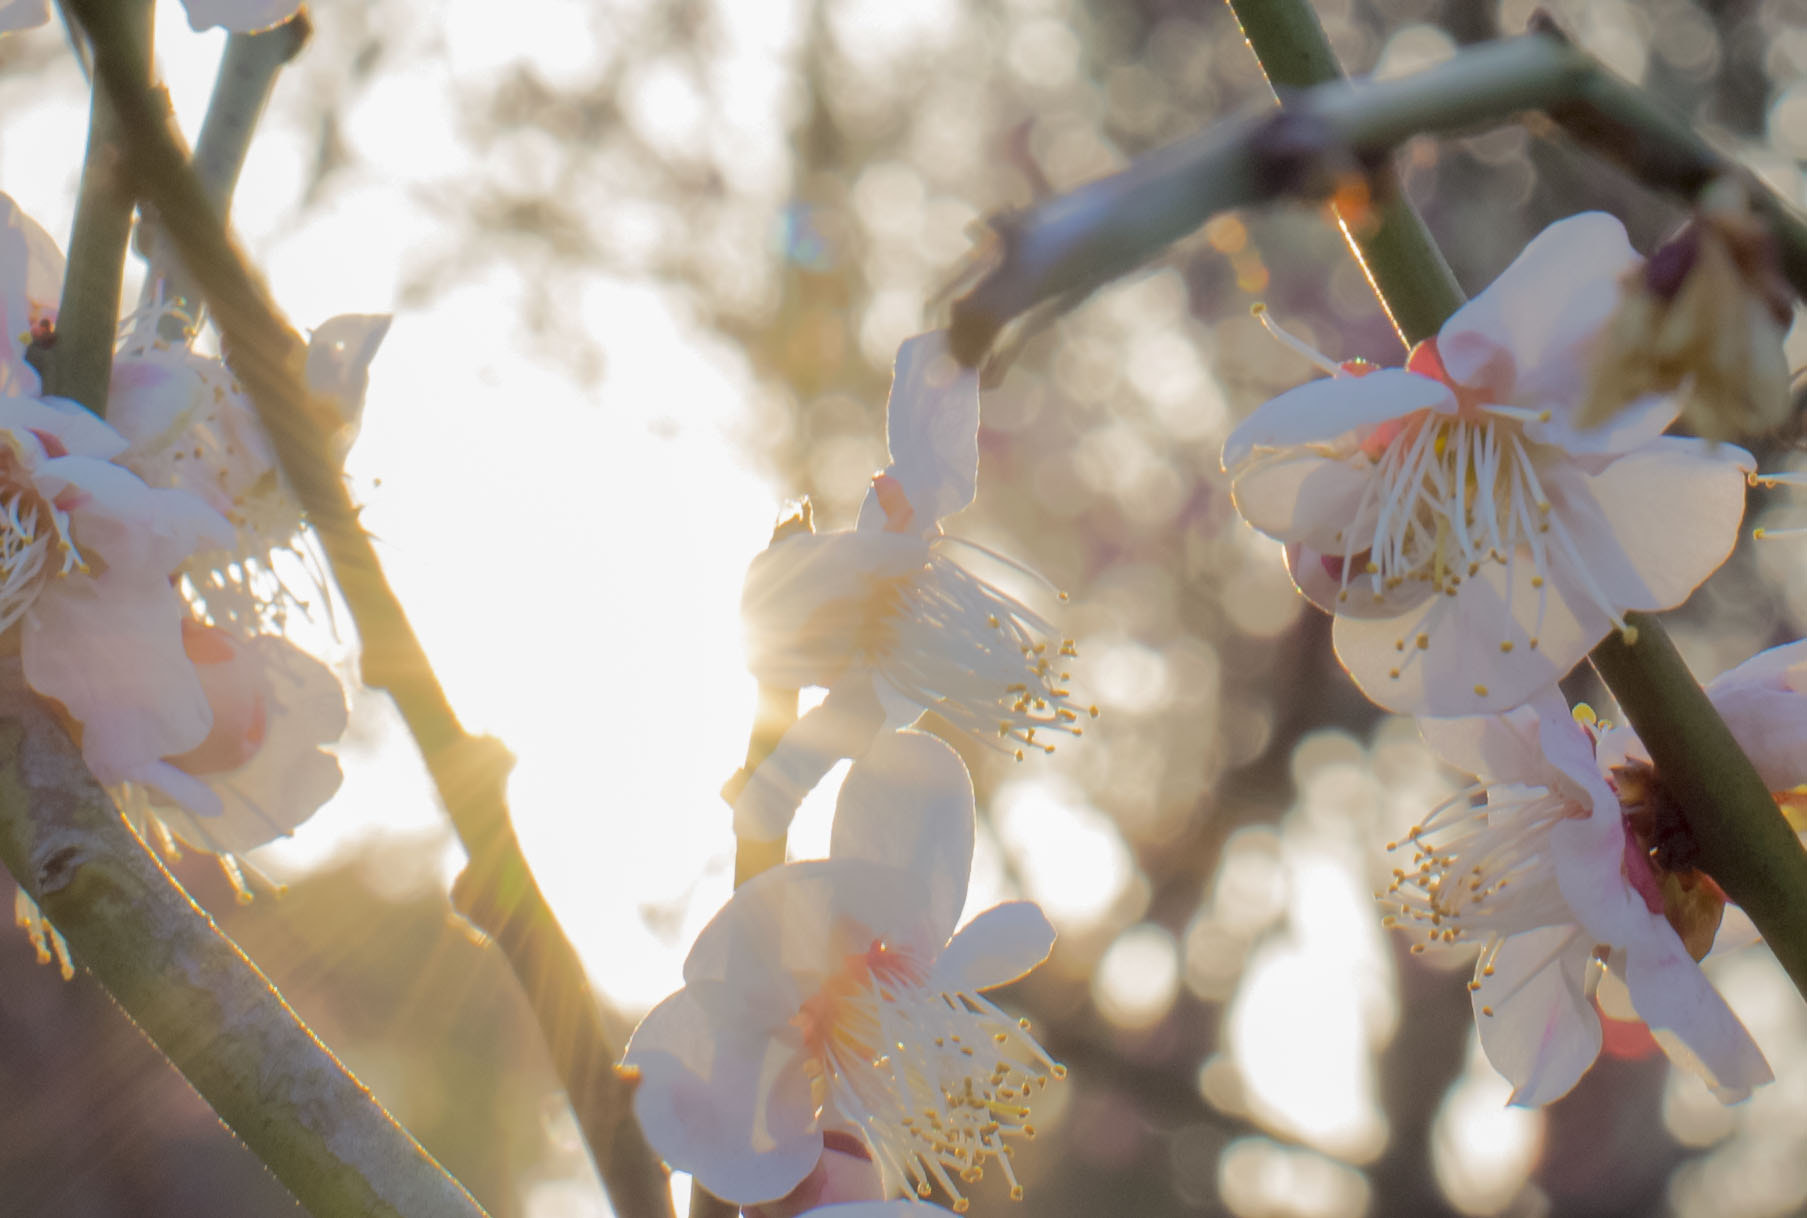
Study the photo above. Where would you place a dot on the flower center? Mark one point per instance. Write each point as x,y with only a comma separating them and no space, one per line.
1481,869
952,643
32,530
934,1081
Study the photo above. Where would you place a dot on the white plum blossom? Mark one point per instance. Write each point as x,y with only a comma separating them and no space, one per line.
1472,542
887,619
86,555
1548,863
827,996
31,281
261,771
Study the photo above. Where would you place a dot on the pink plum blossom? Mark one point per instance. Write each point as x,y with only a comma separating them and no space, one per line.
1472,542
1540,865
887,620
836,995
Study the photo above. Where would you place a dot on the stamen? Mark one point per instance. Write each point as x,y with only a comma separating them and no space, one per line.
1323,362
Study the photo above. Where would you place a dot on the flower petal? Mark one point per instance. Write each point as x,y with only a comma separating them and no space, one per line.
1328,411
995,948
809,599
731,1110
76,428
239,16
844,725
1542,1033
1690,1020
1541,317
932,427
1307,498
908,802
1526,745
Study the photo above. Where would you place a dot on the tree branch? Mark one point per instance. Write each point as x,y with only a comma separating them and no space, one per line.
497,890
193,992
1072,244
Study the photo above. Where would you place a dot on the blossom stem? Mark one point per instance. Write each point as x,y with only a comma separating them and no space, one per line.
1389,240
1067,246
1744,842
241,89
79,365
497,890
193,992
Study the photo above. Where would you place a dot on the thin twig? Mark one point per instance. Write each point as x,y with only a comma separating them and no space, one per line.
497,891
193,992
1076,242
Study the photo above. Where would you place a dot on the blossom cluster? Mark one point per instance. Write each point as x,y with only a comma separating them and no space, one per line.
139,573
833,1041
1477,521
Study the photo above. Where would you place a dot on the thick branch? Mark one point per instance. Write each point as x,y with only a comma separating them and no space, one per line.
497,890
191,990
79,366
1072,244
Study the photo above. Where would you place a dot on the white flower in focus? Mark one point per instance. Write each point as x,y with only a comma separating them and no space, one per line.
887,620
261,771
828,995
1550,874
1471,541
86,555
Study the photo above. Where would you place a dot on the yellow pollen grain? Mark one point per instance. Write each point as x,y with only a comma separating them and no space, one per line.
1480,691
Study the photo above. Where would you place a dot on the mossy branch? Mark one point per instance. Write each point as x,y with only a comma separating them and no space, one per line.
193,992
497,890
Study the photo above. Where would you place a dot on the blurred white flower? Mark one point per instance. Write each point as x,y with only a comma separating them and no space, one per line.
887,620
827,995
1471,541
1552,874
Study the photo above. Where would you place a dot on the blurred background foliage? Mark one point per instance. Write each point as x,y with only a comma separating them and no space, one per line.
801,181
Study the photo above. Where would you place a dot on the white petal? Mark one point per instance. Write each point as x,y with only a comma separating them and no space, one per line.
908,802
1463,670
18,15
1308,498
74,427
1512,747
1543,314
808,600
731,1109
1630,428
785,931
1328,411
995,948
1654,523
1690,1020
127,523
1764,703
1543,1033
109,648
1317,577
843,725
932,427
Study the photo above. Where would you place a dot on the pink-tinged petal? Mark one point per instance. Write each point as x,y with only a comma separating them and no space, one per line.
1462,669
1764,703
1535,325
1689,1019
1782,667
1516,746
932,428
1307,498
239,16
115,516
844,1174
1653,524
1000,945
1591,858
809,601
1328,412
58,423
844,725
786,931
717,1102
109,648
1542,1033
908,802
